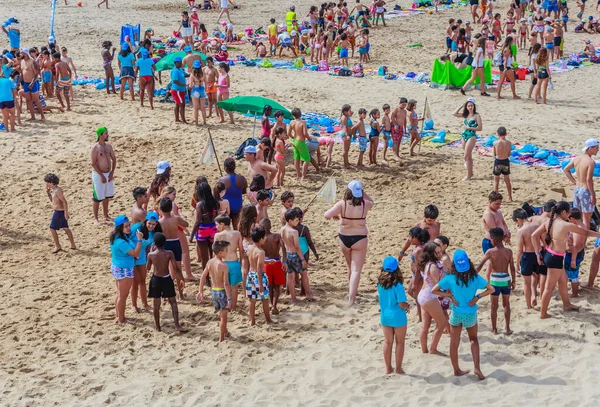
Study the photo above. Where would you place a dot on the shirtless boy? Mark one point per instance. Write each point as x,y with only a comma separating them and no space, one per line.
275,268
501,259
104,163
61,211
257,283
399,125
295,258
526,261
138,213
492,218
386,125
575,252
501,150
31,85
46,66
161,283
298,132
233,256
264,201
256,166
429,223
584,196
63,80
211,75
220,290
170,224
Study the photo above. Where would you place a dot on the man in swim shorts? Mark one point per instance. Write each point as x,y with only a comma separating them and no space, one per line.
399,125
104,163
584,196
63,84
298,132
31,85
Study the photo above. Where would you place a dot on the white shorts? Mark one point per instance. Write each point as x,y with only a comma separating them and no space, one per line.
187,31
102,191
224,3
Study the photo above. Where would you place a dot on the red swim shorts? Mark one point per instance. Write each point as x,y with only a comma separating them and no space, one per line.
178,97
397,133
275,273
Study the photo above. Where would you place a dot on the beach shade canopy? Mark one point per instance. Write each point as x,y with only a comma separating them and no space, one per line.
253,105
167,63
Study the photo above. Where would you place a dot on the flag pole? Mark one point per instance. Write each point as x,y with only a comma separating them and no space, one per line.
215,150
423,123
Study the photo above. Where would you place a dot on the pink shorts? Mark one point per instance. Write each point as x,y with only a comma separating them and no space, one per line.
178,97
397,133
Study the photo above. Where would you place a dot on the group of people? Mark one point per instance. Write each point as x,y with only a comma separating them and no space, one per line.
35,75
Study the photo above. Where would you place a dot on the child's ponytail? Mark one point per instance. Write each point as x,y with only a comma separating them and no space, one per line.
548,238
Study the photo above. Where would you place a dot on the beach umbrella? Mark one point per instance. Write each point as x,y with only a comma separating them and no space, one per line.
252,105
167,63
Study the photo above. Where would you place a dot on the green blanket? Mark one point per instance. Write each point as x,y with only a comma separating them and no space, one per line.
447,75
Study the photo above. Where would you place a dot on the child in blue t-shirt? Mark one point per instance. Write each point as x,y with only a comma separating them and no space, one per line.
461,286
393,305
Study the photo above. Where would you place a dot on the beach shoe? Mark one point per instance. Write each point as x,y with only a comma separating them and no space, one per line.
484,94
462,92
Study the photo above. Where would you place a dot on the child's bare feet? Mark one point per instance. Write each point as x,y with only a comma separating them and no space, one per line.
495,331
509,331
399,370
460,372
389,370
571,307
56,250
545,316
147,307
534,303
274,311
181,329
135,309
436,352
478,373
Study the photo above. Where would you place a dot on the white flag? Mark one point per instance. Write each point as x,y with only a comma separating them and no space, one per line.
208,154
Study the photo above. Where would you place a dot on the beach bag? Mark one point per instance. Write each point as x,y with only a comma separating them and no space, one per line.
382,70
344,72
266,63
498,59
239,153
298,63
323,66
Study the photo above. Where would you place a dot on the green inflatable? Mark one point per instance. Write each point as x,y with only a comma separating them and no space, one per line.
447,75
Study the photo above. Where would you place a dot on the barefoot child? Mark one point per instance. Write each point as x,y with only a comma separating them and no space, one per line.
394,307
576,244
274,267
429,222
220,289
295,257
492,218
362,135
527,263
257,283
417,237
263,199
298,132
60,216
399,125
161,284
148,228
501,150
170,226
374,136
501,259
235,252
386,128
287,202
461,286
413,126
280,138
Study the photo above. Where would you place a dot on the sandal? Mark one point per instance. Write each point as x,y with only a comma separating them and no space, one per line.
484,94
462,92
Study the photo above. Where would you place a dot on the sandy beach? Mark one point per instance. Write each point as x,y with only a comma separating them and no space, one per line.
59,345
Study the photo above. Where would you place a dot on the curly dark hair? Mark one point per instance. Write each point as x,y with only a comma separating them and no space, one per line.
388,280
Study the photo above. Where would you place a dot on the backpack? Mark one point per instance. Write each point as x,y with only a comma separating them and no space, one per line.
239,153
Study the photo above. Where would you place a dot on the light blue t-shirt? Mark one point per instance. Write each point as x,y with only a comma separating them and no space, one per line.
119,249
7,70
14,38
463,294
391,313
126,61
146,243
177,74
145,66
6,88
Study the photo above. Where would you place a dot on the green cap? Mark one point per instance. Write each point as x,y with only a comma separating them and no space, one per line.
100,131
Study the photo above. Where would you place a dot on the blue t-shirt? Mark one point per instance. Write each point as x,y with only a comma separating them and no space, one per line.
126,61
145,66
177,74
146,243
7,70
119,249
391,313
6,88
14,38
461,293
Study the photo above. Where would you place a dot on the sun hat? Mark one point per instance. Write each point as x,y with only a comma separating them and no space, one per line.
356,188
153,216
390,264
161,167
121,219
589,143
250,150
461,261
177,59
197,64
100,131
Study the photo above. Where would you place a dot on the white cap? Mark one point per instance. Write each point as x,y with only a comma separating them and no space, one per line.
356,188
589,143
293,33
162,166
472,100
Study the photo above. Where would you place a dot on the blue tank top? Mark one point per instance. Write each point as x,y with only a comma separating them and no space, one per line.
234,195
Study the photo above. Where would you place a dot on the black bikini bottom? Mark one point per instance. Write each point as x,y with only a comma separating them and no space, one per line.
349,241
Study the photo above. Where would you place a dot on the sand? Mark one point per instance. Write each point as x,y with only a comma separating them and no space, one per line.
59,345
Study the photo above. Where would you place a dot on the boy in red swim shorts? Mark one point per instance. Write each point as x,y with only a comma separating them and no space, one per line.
274,267
398,125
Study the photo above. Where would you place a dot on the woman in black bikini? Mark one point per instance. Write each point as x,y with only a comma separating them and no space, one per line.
352,211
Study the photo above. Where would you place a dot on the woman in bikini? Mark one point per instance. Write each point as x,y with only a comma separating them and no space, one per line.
471,125
555,234
218,192
352,211
205,227
107,58
506,69
430,268
413,125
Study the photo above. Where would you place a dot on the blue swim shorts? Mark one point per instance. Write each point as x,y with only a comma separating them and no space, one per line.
466,319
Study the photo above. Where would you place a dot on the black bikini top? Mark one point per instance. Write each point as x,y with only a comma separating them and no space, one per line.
362,216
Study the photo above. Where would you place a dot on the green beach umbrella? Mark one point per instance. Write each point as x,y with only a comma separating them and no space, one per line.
167,63
253,105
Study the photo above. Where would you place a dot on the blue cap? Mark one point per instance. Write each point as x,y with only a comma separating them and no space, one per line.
250,150
9,55
197,64
153,216
124,46
187,48
390,264
144,52
121,219
177,59
461,261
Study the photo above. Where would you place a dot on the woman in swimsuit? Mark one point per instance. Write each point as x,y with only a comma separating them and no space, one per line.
218,192
279,124
472,124
247,223
280,138
349,131
198,88
430,268
107,58
352,211
235,185
555,234
506,71
205,227
182,233
199,180
413,125
543,75
265,124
